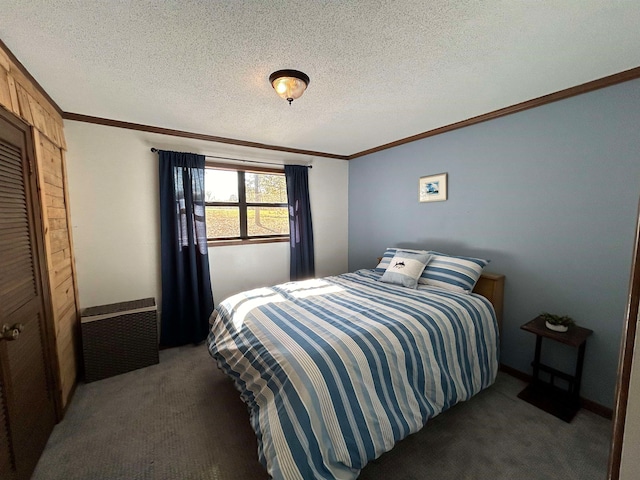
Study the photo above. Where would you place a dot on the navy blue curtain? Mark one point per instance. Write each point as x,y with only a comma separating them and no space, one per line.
300,227
187,301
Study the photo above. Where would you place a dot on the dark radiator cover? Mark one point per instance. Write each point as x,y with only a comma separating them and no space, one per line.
118,338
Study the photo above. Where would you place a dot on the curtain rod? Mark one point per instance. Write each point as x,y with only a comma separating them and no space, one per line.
155,150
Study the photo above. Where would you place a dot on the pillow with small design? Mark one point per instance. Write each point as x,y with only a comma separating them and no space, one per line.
405,268
388,255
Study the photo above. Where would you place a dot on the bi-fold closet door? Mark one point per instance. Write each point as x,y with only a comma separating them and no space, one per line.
27,404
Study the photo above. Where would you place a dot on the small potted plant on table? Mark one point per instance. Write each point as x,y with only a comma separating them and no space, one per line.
557,323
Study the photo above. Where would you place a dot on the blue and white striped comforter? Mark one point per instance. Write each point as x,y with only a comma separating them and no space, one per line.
336,371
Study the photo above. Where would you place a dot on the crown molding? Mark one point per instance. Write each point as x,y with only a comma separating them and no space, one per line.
604,82
608,81
197,136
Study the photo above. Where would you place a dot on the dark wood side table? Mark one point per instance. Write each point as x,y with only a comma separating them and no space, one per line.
546,395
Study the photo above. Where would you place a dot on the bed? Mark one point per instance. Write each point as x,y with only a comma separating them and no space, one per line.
335,371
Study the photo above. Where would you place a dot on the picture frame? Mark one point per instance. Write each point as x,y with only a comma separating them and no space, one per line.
433,188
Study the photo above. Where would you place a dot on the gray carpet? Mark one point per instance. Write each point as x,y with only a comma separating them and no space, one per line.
183,419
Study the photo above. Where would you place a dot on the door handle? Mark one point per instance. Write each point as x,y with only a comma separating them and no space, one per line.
11,333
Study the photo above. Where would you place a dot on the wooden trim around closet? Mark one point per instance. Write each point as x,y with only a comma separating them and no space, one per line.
26,73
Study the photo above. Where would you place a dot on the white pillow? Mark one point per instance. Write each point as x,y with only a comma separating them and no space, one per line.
405,268
388,255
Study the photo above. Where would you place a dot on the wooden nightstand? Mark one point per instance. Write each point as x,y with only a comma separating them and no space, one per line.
546,395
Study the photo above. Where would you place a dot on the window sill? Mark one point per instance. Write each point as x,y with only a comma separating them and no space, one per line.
253,241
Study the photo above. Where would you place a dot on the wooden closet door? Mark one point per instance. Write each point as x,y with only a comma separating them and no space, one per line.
27,410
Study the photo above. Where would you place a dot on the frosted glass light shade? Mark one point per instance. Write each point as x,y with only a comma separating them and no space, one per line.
289,84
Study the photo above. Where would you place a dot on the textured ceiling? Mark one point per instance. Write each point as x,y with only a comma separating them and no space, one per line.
380,70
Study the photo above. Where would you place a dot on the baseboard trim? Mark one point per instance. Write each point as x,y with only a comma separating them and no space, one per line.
597,408
586,403
525,377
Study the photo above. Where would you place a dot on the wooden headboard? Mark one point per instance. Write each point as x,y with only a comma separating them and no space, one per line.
491,287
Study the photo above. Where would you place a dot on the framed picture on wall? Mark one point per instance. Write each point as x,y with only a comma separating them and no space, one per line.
433,188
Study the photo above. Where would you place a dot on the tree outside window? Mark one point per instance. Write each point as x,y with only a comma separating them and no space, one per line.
245,205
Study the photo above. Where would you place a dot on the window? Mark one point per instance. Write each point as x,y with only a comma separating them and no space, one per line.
245,204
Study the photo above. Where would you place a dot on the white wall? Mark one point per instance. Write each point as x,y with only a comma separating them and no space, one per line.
114,202
238,268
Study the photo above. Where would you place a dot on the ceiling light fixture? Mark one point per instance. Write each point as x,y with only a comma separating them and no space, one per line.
289,84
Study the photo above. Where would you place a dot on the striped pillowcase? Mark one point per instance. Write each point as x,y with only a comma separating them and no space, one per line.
457,274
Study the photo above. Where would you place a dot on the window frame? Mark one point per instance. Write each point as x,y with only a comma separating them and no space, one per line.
243,205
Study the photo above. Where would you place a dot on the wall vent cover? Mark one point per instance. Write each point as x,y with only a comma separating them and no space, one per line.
119,338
